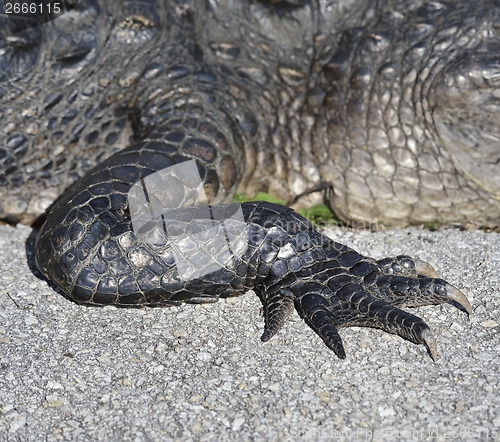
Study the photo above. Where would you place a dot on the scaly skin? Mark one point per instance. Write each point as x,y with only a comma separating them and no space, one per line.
89,249
274,96
393,103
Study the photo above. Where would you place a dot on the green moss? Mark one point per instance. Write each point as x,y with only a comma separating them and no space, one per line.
261,196
319,214
432,226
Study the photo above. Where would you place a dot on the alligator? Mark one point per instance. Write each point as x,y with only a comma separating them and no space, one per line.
392,104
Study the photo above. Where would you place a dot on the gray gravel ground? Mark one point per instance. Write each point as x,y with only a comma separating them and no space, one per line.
69,372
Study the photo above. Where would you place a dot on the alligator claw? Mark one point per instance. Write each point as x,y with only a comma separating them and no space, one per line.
356,291
457,296
277,309
425,269
430,343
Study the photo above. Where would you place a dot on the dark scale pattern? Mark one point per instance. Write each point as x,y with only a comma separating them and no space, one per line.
286,261
393,103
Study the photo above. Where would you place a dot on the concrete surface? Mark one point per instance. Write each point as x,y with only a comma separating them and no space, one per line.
69,372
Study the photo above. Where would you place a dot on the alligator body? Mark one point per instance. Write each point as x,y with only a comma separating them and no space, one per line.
394,104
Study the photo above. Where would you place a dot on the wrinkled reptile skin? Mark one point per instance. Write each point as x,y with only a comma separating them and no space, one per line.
393,104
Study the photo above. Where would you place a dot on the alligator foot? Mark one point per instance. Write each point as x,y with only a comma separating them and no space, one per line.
375,300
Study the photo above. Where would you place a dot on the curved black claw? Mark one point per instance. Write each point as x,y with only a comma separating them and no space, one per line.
316,311
335,287
362,309
405,291
412,283
277,308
